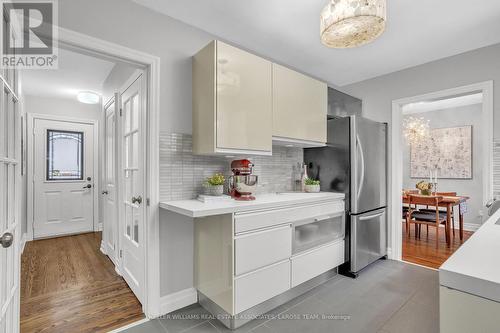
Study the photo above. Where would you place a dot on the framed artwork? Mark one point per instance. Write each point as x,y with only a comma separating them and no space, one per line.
447,150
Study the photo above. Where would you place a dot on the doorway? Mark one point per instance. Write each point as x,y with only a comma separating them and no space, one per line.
64,168
461,187
80,151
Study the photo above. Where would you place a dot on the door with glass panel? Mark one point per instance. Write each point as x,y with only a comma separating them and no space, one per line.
63,177
10,230
109,189
133,202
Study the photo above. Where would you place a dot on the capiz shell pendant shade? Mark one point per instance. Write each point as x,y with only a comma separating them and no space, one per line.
351,23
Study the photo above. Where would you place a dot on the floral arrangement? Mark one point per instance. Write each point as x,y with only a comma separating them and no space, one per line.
310,181
424,187
215,180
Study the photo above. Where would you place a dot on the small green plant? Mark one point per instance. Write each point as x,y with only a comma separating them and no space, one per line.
217,179
310,181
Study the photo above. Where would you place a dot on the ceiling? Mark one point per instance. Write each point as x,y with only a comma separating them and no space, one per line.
76,72
288,32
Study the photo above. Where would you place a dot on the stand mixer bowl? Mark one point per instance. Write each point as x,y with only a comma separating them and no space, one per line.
244,186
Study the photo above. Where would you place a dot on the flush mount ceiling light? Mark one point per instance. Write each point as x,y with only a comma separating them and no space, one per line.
351,23
88,97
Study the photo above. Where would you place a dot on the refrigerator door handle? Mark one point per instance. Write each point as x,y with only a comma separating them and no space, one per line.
369,217
362,162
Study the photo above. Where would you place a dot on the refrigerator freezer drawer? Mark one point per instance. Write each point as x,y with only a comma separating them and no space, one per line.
368,238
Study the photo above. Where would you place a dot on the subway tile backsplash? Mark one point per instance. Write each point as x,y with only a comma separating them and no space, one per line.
496,169
182,173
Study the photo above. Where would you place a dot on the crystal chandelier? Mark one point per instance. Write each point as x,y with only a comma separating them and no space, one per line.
351,23
415,130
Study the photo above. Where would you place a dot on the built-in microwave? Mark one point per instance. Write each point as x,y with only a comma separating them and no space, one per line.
316,231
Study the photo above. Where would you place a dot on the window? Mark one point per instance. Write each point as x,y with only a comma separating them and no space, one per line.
64,155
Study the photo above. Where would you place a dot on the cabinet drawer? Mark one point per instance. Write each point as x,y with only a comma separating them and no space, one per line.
250,221
262,248
261,285
310,264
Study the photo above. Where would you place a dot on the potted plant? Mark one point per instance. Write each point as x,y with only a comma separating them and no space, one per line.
214,185
424,187
311,185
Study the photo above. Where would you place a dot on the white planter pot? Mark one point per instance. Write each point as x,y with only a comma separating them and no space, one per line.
311,188
216,190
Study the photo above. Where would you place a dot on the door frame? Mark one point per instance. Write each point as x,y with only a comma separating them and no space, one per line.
396,166
71,39
30,162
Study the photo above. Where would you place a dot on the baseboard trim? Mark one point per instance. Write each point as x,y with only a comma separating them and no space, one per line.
471,226
178,300
103,248
98,227
24,239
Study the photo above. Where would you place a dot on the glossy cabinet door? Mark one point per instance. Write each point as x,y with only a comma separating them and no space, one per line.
244,100
300,105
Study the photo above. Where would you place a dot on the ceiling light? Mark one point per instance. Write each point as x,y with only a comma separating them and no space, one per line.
351,23
415,130
88,97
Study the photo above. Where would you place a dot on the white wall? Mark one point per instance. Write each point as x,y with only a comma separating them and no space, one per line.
473,188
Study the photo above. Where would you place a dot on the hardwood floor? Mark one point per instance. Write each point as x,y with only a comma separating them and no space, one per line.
423,251
68,285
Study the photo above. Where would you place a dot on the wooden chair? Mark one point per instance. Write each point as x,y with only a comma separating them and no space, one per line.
406,209
443,212
433,219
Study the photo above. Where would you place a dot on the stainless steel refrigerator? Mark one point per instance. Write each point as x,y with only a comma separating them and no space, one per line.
354,162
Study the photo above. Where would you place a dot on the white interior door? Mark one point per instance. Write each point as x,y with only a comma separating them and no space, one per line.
133,157
109,192
10,233
63,177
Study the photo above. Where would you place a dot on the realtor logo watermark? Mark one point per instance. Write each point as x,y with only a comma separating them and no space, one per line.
29,34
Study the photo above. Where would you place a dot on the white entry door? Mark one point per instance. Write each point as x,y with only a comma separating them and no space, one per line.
63,177
133,178
10,233
109,192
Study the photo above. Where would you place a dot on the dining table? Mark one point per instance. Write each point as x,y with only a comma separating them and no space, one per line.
448,202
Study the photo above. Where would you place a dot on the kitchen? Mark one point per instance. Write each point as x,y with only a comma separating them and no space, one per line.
270,237
272,170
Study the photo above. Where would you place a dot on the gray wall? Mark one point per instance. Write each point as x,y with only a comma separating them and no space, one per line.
115,80
463,69
454,117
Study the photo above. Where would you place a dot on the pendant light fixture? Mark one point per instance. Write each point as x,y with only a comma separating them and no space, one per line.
351,23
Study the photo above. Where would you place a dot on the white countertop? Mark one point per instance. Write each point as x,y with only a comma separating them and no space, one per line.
475,267
195,208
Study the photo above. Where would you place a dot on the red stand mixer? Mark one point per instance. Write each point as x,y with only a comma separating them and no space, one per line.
242,183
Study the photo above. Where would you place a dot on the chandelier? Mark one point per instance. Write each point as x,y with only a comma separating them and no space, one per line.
351,23
415,130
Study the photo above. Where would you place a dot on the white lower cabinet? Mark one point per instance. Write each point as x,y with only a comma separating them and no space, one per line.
312,263
259,286
258,249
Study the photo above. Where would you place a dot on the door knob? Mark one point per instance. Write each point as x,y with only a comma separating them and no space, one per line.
88,186
105,192
6,239
137,200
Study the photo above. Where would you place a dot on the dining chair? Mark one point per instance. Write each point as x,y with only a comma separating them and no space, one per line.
444,212
405,209
433,219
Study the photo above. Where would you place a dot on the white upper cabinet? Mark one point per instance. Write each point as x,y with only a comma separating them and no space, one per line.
232,101
243,103
300,105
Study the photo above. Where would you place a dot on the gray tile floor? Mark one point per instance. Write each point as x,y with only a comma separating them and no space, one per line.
388,297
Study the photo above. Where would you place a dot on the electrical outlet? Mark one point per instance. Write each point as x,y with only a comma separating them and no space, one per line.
481,213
